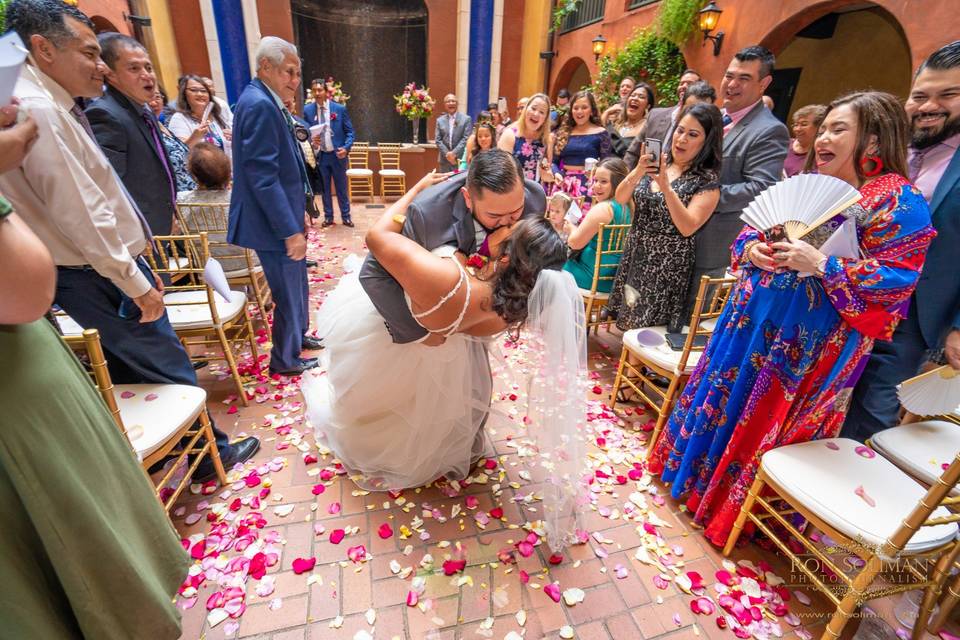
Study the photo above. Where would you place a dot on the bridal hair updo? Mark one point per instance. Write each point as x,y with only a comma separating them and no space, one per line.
533,246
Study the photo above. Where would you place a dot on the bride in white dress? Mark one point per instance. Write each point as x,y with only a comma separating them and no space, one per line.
404,415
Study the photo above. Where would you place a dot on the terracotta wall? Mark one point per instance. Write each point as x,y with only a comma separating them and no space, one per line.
510,52
191,45
441,55
772,23
107,11
275,19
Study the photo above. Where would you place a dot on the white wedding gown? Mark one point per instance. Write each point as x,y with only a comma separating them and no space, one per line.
396,415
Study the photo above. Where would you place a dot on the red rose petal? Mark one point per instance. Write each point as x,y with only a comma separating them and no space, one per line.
556,558
336,536
553,590
385,531
496,513
318,489
302,565
451,567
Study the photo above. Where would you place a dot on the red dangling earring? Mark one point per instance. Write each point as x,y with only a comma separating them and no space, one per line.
874,160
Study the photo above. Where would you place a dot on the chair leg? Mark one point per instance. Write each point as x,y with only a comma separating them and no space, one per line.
755,489
251,337
214,453
939,574
852,600
259,298
232,364
618,379
949,601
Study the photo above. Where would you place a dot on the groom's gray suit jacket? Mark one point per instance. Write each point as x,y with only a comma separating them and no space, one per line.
437,217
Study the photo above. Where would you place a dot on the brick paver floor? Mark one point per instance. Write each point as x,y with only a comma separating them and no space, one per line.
399,589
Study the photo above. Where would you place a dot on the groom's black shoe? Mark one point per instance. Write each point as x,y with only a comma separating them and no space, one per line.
311,343
240,451
311,263
305,365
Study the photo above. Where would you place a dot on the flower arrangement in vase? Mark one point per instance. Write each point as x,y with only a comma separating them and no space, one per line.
415,103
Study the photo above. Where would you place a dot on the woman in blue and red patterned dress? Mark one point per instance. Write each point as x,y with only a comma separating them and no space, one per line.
787,350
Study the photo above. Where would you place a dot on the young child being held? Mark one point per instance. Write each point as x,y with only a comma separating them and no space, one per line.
557,209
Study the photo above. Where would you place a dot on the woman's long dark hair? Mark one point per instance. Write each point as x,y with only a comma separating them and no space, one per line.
183,106
534,245
711,153
563,133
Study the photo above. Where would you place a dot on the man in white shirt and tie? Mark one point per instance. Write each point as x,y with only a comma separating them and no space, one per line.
70,196
453,129
331,144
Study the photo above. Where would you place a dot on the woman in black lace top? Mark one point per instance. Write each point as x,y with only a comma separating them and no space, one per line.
672,199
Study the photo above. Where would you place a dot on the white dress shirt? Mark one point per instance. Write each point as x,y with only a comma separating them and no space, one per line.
323,119
69,195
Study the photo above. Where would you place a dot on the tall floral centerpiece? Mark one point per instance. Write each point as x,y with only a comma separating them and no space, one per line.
415,103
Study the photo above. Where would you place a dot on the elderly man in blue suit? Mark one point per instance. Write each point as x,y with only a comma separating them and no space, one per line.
268,200
332,144
933,321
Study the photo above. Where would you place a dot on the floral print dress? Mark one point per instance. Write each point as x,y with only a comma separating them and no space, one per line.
786,353
529,153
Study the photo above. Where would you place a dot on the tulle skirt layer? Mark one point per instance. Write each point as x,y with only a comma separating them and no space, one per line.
396,415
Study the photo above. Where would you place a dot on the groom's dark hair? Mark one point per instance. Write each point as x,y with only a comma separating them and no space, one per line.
494,170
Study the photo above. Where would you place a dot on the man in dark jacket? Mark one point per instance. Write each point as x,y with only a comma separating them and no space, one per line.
129,134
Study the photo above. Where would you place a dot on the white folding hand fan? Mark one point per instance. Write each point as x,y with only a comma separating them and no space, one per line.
932,393
798,205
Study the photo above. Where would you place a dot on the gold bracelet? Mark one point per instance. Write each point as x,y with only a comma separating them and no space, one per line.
399,218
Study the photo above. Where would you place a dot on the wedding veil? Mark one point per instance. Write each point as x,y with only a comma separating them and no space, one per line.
555,335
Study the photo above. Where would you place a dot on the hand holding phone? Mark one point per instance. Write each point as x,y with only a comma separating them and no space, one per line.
653,148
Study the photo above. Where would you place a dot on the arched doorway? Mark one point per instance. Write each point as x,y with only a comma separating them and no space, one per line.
835,53
573,76
102,25
374,47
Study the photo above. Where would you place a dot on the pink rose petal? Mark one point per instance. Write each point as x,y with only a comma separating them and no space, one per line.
832,445
357,554
553,590
862,493
126,395
385,531
865,452
150,397
336,536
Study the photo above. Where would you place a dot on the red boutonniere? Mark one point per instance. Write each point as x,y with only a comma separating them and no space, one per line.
333,117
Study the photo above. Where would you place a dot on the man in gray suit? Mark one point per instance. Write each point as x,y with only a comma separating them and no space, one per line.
453,129
660,121
754,148
460,211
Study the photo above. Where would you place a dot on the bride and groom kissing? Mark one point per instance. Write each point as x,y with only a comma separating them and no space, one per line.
404,393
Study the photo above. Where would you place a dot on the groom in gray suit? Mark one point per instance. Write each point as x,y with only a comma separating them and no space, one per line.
460,211
754,148
453,129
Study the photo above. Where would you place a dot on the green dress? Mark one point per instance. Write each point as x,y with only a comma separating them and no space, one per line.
582,266
86,550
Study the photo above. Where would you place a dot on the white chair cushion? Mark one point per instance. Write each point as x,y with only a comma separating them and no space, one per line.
920,448
824,481
239,273
360,172
599,295
155,412
392,173
661,355
68,326
197,316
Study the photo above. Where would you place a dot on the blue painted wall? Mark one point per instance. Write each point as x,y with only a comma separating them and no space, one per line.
228,16
481,50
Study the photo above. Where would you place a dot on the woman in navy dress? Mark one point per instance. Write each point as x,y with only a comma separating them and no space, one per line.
579,137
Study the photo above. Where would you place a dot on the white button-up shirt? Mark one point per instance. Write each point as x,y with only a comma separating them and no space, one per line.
68,193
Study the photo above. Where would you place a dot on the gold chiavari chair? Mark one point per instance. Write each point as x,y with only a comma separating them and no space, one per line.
610,241
870,509
240,264
359,173
155,418
196,312
638,359
393,181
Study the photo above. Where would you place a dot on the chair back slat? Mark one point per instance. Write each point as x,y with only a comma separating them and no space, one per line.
359,157
712,295
89,342
389,155
611,239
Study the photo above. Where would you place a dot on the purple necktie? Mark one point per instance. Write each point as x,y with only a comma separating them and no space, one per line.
915,163
158,147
